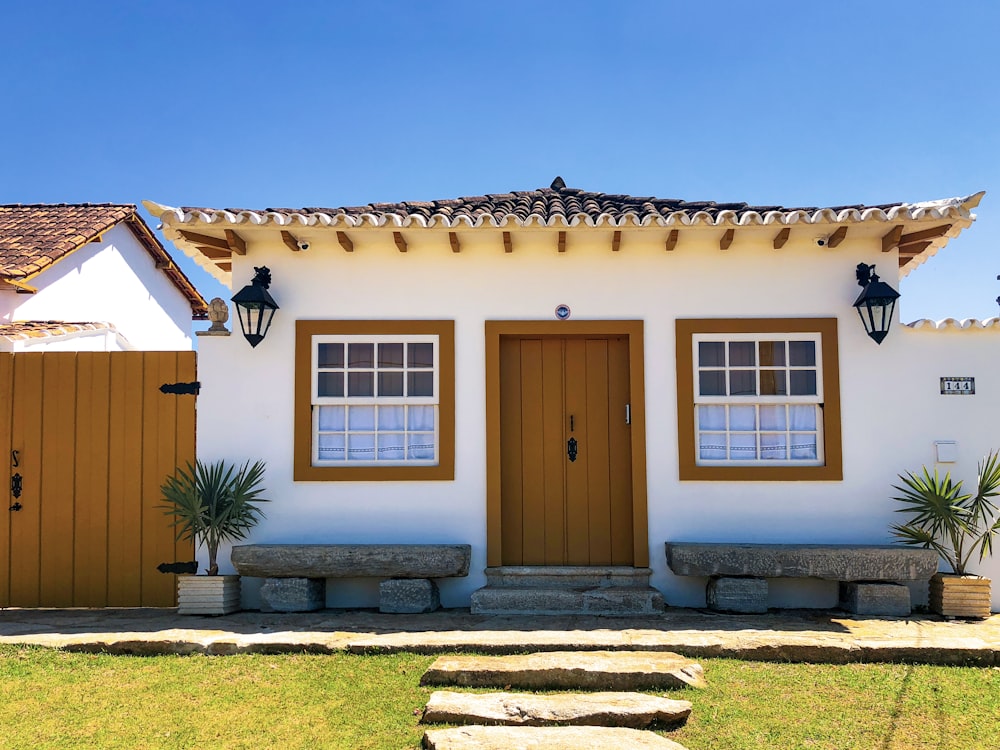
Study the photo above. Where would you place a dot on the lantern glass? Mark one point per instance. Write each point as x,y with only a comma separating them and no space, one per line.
255,307
876,304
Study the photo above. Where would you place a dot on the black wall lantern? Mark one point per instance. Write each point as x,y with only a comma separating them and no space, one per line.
876,302
255,306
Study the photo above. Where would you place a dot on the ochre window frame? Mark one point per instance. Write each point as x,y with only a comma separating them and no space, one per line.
686,329
303,470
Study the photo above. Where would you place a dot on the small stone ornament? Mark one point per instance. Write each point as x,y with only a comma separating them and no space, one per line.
218,313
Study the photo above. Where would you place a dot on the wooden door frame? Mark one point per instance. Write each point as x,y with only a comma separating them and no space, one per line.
633,330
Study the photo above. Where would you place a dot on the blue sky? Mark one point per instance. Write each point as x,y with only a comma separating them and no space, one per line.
254,104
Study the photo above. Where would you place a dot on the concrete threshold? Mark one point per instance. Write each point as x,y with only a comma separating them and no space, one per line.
794,636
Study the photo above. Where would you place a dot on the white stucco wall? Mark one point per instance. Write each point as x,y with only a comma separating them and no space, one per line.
892,411
114,281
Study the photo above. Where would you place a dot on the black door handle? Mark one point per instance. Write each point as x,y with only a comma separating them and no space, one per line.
571,449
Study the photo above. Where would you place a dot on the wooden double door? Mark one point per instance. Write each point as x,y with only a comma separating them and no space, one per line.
566,494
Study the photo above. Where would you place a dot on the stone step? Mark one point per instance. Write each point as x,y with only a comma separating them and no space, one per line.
545,738
568,670
533,600
567,577
636,710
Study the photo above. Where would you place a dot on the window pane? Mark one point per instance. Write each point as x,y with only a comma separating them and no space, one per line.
420,446
420,384
804,446
361,417
772,353
391,418
743,446
742,383
331,447
712,447
772,417
330,355
773,447
742,417
331,418
741,354
390,383
711,417
360,384
711,354
802,416
801,353
712,383
390,355
330,384
421,418
361,446
420,355
772,383
391,447
803,382
361,355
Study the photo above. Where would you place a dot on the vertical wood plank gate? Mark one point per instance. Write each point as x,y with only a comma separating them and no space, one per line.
88,438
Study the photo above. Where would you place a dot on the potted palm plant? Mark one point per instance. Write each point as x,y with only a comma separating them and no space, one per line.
958,526
213,503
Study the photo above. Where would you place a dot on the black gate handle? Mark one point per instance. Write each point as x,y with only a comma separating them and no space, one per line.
571,449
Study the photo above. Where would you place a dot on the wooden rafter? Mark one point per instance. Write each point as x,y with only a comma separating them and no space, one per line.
616,241
345,242
926,234
508,244
671,242
164,264
890,240
397,237
837,237
562,242
456,246
236,243
220,243
727,239
914,248
290,242
225,266
781,238
214,253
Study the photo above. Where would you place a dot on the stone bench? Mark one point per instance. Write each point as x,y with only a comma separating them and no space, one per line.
295,574
870,576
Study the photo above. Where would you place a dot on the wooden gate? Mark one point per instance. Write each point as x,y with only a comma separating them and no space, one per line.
89,438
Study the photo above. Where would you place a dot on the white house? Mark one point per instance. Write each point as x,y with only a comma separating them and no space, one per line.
90,277
566,378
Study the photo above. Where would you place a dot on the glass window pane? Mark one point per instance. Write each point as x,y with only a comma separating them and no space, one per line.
330,447
330,355
390,355
361,355
360,384
421,418
712,383
773,447
361,417
712,446
420,446
742,383
420,355
420,383
711,354
391,447
772,353
390,383
330,384
742,417
772,383
331,418
712,418
772,417
803,382
802,416
801,353
741,354
743,446
361,446
804,446
391,418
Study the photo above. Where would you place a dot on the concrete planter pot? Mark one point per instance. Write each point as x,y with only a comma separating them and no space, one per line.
208,595
960,596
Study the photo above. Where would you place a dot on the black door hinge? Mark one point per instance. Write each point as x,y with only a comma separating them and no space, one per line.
181,389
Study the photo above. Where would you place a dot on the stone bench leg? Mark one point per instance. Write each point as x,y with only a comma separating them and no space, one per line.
892,599
408,595
725,594
292,594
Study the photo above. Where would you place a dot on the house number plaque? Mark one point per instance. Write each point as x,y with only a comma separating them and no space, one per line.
958,386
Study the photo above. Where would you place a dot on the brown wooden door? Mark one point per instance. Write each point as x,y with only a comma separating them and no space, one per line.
92,438
554,510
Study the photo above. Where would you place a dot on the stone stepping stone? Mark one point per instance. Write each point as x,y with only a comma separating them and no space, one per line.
569,670
545,738
636,710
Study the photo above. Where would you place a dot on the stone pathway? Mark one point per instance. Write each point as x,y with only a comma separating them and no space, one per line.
593,720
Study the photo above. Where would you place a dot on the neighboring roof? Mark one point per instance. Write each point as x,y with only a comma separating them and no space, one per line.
560,206
953,324
34,236
48,329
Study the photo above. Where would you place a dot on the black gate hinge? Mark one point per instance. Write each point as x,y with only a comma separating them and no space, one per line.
181,389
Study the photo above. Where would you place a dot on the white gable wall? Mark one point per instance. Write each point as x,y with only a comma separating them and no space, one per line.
892,412
114,281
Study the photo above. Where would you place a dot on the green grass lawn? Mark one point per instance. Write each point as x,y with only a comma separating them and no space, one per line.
53,699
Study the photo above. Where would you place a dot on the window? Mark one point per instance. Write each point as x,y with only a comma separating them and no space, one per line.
374,400
758,399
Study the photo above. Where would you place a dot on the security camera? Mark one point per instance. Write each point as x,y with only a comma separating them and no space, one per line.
303,245
820,241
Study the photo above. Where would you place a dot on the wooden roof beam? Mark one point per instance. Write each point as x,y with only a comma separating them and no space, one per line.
397,237
291,243
671,242
237,244
781,238
456,246
926,234
214,253
219,243
914,248
727,239
345,242
508,244
562,242
837,237
890,240
616,241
